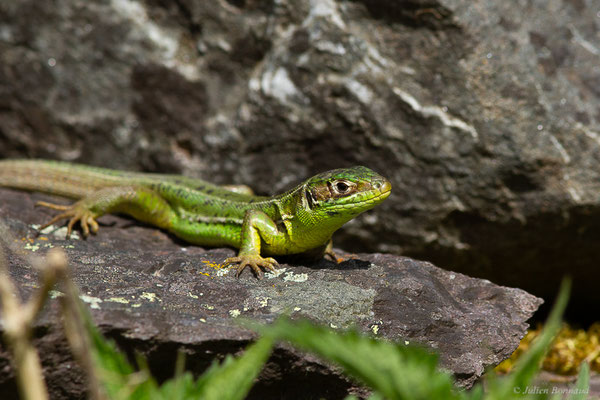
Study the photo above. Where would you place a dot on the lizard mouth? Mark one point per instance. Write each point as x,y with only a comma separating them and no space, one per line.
380,197
384,191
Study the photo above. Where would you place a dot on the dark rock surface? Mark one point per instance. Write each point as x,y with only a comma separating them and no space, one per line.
155,295
485,115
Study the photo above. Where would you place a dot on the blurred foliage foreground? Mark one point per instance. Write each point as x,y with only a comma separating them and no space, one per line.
389,370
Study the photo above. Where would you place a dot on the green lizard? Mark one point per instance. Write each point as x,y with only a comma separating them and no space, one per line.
300,220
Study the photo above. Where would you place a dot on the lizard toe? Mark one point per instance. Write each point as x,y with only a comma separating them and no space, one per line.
255,262
257,271
93,224
54,219
84,226
70,225
60,207
271,264
330,254
241,267
231,260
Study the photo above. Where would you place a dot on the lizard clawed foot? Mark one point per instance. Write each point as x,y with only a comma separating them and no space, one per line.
330,254
253,261
75,212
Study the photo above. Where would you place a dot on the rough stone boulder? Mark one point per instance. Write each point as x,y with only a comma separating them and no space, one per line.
483,114
155,294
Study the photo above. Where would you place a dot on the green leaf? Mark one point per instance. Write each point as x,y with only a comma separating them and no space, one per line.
476,393
394,371
116,374
515,383
181,387
582,388
232,379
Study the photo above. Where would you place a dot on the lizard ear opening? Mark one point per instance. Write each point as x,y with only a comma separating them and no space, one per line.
309,199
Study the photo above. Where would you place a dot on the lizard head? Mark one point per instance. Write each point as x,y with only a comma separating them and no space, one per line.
342,194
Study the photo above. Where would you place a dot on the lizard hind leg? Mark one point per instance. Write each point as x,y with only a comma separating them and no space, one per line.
75,212
141,203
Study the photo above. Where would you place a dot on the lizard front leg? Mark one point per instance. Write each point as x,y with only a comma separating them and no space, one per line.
257,227
141,203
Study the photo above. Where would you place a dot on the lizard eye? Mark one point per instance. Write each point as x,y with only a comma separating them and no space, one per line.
342,187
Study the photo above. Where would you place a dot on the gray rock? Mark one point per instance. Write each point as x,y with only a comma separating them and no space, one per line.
155,295
485,115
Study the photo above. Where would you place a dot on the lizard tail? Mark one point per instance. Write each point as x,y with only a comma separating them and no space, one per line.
53,177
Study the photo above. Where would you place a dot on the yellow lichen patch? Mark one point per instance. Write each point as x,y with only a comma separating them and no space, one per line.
33,247
151,297
274,274
291,277
375,329
263,301
570,348
376,326
213,265
31,244
221,269
91,300
62,233
121,300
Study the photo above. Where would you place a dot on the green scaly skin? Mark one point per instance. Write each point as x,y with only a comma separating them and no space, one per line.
300,220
